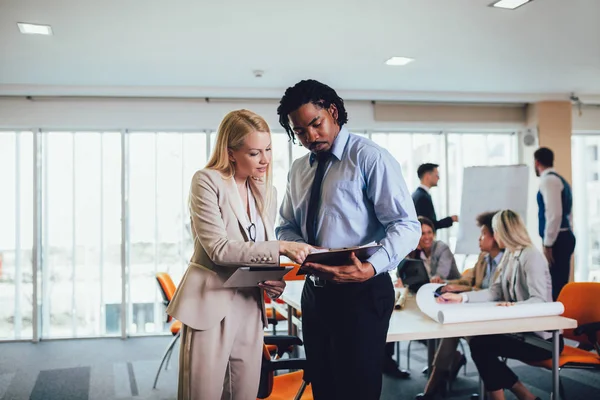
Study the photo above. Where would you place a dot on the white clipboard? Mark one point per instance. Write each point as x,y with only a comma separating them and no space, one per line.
252,276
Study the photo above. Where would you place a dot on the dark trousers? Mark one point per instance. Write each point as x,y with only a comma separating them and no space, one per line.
344,329
389,361
495,374
561,252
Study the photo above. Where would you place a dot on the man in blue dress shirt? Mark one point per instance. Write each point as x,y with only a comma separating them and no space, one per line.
346,192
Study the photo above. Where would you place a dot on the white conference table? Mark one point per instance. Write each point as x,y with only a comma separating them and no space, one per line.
411,324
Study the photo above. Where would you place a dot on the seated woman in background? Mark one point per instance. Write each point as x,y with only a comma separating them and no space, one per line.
440,264
436,255
524,277
447,359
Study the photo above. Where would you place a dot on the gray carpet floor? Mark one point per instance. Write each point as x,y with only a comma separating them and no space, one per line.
105,369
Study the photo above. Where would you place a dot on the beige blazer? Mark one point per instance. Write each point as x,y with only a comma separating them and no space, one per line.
221,244
474,276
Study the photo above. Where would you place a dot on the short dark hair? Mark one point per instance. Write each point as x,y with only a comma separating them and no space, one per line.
309,91
544,156
485,219
425,168
426,221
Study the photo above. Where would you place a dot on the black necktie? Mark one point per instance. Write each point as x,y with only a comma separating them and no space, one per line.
315,195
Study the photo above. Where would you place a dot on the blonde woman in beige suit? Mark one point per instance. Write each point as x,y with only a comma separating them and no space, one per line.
233,207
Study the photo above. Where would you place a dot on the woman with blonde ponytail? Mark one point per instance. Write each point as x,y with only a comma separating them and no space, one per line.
523,278
233,208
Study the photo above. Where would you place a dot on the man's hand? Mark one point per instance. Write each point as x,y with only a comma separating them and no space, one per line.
436,279
454,218
273,288
355,271
548,254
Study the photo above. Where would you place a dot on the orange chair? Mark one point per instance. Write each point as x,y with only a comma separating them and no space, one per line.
167,290
286,386
291,276
581,303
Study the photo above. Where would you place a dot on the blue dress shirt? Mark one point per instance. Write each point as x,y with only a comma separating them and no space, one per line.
364,199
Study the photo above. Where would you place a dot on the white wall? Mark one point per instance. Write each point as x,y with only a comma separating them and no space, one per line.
184,114
588,121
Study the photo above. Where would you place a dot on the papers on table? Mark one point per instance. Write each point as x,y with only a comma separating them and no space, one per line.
472,312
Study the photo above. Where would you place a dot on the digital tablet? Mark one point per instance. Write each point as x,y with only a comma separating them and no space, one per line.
252,276
341,256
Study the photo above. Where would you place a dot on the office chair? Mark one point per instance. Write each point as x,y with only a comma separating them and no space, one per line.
284,386
167,290
581,303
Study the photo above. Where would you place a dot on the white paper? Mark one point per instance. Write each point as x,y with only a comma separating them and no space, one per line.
472,312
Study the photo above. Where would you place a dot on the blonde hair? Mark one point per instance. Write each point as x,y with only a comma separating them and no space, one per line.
231,135
511,230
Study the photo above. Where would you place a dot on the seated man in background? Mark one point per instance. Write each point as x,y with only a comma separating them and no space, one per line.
448,360
439,263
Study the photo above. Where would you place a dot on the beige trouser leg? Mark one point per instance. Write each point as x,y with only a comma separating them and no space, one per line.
445,354
224,362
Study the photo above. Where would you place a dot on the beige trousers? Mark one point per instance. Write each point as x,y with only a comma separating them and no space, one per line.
224,362
444,356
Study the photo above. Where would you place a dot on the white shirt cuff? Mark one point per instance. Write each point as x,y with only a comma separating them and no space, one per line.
465,297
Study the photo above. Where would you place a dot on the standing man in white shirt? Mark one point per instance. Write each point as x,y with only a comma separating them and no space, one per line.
555,204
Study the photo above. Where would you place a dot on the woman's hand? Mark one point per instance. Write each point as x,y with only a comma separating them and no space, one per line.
455,288
436,279
295,251
273,288
505,304
449,298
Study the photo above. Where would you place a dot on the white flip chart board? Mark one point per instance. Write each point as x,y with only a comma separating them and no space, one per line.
489,189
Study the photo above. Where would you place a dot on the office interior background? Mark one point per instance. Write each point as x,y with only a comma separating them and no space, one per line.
103,124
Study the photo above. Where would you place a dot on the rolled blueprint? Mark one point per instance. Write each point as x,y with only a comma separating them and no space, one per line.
472,312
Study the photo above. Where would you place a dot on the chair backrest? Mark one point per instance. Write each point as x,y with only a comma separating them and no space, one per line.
581,303
291,276
167,288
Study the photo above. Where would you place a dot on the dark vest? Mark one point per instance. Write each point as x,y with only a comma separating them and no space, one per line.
566,198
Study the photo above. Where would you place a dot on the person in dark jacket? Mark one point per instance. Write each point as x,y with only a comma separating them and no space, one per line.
429,177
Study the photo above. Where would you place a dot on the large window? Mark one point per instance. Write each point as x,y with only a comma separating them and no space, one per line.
80,227
16,234
161,166
586,206
81,197
412,150
463,150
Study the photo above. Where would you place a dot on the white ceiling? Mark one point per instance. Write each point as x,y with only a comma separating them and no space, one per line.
463,49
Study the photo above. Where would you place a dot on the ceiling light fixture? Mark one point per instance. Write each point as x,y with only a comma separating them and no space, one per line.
34,29
399,61
510,4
